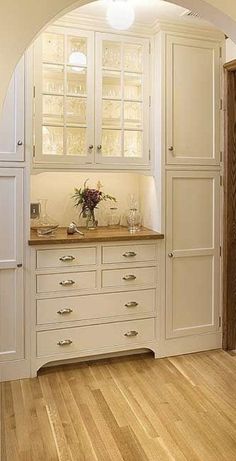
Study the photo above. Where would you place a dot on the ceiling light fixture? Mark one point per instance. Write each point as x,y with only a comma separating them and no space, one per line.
120,14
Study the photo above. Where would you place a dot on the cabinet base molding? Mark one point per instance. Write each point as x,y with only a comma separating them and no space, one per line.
15,369
190,344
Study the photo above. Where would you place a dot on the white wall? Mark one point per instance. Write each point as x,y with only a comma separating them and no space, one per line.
230,50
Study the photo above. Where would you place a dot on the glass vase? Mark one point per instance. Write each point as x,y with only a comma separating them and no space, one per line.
91,222
44,224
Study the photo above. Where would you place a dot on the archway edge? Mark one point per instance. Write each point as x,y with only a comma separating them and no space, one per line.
22,21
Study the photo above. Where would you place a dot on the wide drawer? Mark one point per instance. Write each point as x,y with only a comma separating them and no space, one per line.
128,253
143,276
66,257
94,337
95,306
68,281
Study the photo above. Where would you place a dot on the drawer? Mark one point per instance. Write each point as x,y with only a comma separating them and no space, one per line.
95,306
94,337
129,277
66,282
128,253
66,257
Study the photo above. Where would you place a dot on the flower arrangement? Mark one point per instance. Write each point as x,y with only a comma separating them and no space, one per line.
88,199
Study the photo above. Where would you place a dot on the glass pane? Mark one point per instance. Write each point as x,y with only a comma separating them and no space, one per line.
111,143
111,55
133,86
133,143
133,115
52,109
111,113
53,79
111,84
53,48
76,81
76,141
75,110
52,140
77,52
133,57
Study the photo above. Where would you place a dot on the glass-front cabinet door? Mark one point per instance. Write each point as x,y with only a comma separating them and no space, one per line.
64,97
122,100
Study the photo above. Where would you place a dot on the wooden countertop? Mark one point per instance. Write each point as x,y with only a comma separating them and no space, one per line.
101,234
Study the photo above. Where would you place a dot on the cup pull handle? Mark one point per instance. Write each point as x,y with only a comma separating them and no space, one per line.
131,333
131,304
64,342
129,277
67,258
66,283
65,311
129,254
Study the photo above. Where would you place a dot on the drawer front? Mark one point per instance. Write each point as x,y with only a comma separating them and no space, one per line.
66,282
66,257
143,276
128,253
95,306
79,339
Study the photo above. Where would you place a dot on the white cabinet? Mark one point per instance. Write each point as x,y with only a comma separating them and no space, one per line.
12,118
193,253
91,106
193,101
11,256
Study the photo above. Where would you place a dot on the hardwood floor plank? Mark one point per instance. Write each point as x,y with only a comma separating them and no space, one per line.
124,409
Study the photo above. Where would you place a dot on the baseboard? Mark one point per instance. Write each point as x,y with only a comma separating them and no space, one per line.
16,369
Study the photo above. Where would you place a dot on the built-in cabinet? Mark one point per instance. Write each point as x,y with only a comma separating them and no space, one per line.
12,119
91,99
11,265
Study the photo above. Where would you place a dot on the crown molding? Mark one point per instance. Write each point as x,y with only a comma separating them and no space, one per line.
89,22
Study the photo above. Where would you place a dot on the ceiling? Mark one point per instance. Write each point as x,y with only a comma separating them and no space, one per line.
146,11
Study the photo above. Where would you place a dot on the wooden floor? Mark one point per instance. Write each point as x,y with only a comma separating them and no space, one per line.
132,409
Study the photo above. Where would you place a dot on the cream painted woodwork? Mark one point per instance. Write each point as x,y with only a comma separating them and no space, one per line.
12,119
192,253
11,262
110,307
91,106
66,258
192,101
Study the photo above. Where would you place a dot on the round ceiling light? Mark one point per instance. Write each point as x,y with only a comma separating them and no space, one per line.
120,14
77,58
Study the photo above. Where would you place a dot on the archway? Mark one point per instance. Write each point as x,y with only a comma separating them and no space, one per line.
22,21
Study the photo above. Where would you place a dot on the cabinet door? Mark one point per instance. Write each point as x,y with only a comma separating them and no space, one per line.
193,101
122,100
193,253
11,255
12,118
64,97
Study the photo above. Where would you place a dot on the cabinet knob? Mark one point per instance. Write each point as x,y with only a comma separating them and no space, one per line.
99,147
19,143
131,304
67,258
90,146
65,311
171,148
129,277
20,265
131,333
64,342
66,283
170,255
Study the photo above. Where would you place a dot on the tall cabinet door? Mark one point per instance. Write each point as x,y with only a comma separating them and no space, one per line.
11,255
193,253
12,118
193,101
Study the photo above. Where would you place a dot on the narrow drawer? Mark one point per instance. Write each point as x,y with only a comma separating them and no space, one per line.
95,306
143,276
66,257
128,253
68,281
94,337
